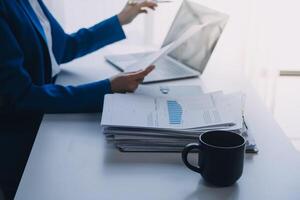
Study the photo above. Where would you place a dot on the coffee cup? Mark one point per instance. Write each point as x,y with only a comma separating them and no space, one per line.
221,157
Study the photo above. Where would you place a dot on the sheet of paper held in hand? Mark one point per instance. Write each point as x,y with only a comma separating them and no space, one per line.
163,113
152,58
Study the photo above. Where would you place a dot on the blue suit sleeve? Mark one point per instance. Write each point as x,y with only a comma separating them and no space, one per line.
67,47
16,84
89,40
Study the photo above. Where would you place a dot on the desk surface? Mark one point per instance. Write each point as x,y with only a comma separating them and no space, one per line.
71,160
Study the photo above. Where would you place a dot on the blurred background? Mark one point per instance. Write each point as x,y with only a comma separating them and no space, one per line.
262,40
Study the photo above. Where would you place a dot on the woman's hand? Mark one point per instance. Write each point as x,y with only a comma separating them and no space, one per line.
128,82
133,8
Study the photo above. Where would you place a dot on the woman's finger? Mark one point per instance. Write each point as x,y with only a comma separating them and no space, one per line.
140,80
142,74
143,11
149,69
148,4
132,73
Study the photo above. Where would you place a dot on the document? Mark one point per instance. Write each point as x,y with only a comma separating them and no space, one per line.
233,104
152,58
163,113
166,118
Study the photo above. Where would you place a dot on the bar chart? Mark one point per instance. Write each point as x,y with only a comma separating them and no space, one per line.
175,112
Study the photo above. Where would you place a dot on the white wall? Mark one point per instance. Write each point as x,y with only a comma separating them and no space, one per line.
273,43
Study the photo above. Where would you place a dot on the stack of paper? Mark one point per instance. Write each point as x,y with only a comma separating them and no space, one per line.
168,118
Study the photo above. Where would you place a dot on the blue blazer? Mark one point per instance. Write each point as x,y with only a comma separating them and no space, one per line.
25,66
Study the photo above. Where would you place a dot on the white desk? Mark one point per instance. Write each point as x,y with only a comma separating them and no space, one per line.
70,159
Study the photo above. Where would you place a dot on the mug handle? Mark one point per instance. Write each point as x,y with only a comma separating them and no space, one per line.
184,155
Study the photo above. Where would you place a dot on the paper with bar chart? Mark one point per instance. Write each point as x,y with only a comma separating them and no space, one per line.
163,113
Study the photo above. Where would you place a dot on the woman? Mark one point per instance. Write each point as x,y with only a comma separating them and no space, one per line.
32,45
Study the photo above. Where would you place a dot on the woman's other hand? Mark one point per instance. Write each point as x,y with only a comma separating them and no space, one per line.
128,82
133,8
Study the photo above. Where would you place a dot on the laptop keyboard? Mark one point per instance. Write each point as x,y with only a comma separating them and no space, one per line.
125,60
168,69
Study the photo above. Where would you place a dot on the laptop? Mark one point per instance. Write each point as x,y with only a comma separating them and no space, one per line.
190,58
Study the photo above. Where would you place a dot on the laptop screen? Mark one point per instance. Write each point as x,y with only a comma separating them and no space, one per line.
196,51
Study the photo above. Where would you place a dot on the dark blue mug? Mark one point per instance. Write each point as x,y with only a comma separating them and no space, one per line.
221,157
